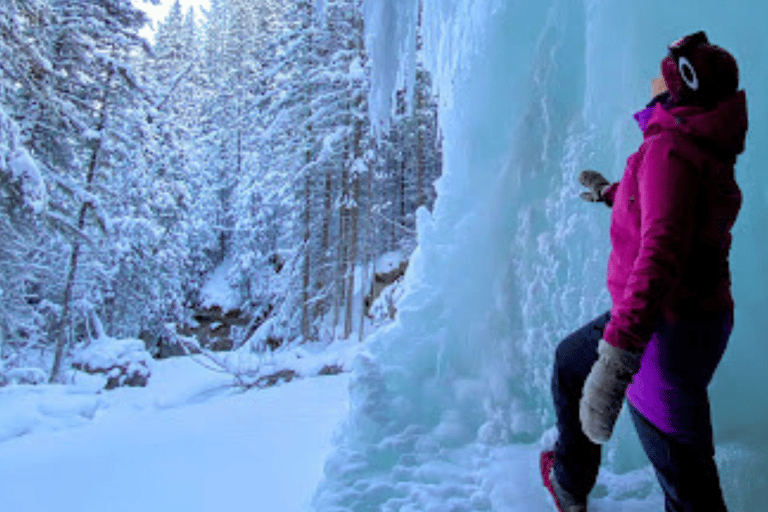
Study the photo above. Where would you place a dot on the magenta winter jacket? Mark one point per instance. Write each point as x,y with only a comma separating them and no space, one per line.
672,215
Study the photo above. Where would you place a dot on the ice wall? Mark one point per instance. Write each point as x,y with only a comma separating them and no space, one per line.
512,260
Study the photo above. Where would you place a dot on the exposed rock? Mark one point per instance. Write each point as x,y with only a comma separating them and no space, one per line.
213,330
218,331
331,369
236,317
273,342
262,316
381,280
208,316
124,378
168,342
273,378
221,345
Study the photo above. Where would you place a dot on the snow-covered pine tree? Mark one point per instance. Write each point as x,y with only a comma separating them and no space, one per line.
328,177
415,158
258,207
287,145
348,61
182,100
231,115
24,64
24,316
317,129
152,208
428,153
71,130
396,156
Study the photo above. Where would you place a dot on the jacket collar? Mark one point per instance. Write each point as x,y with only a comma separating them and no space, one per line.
643,117
721,128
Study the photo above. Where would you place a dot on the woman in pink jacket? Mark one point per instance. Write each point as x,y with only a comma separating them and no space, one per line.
669,280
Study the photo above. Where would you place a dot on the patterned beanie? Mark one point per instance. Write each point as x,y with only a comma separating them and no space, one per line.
699,73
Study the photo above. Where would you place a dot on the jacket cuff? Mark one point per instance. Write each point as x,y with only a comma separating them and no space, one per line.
621,340
609,193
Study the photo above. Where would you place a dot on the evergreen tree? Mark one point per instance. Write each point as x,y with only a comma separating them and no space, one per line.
278,191
23,319
177,183
248,141
23,316
74,133
317,127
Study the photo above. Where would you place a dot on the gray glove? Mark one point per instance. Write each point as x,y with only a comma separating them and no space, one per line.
596,183
604,390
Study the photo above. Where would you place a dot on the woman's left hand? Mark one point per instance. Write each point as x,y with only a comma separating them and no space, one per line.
604,390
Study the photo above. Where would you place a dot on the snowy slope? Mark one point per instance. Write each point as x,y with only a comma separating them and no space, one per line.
192,442
259,450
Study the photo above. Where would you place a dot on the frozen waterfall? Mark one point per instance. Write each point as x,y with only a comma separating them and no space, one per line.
449,402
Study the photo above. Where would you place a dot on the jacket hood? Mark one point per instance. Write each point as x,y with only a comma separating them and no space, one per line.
722,128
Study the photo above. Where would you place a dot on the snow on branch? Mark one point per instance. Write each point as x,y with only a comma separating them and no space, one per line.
66,223
160,104
84,196
19,167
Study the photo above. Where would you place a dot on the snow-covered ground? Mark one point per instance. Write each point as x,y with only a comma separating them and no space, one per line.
188,441
192,441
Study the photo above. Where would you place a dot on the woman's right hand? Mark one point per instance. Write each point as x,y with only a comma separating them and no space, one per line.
596,183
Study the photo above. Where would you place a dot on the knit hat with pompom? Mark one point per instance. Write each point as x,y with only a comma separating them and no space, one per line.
703,75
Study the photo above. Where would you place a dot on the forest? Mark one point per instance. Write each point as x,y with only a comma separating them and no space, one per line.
238,141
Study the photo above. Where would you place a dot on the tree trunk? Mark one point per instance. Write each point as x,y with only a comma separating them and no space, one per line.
367,277
352,257
339,274
62,339
421,196
367,235
306,318
343,242
322,273
357,159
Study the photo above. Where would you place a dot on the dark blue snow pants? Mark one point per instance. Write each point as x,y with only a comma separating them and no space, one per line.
686,472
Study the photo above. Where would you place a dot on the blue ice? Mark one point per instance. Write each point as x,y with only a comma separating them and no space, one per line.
449,403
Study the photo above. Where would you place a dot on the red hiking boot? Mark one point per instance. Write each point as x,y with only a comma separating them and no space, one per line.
563,500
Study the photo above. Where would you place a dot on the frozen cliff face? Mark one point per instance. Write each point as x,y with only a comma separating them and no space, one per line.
512,260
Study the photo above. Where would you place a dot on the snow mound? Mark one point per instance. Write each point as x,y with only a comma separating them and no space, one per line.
124,362
32,376
176,383
29,408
